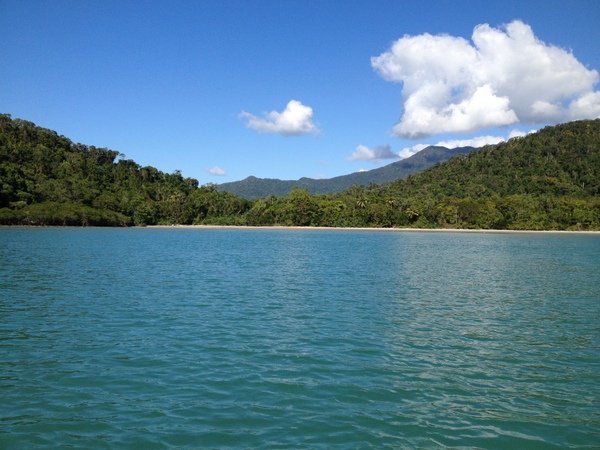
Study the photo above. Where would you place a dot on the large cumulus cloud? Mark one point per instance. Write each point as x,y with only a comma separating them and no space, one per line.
503,76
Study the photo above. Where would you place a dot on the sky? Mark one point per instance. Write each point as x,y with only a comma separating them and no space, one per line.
225,89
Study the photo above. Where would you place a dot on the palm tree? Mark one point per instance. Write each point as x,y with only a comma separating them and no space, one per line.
413,214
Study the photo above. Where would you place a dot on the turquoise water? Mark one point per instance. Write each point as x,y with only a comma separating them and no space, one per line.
244,338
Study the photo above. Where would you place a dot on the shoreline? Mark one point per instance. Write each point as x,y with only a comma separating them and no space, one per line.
297,228
384,230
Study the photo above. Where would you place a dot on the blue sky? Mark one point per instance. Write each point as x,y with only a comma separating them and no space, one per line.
284,89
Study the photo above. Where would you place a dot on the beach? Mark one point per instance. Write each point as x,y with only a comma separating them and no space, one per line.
408,230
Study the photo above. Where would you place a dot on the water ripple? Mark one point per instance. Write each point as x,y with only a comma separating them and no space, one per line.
277,338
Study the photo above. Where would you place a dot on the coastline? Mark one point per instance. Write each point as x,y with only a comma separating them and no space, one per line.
296,228
384,230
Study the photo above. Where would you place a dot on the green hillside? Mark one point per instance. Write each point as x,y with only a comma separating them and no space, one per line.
549,180
45,179
252,187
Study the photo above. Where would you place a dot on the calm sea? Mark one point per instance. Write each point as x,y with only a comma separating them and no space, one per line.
258,338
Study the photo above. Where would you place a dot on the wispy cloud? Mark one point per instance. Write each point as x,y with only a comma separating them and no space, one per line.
294,120
216,171
505,76
364,153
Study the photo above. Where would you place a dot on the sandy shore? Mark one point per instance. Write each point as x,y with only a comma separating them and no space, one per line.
384,230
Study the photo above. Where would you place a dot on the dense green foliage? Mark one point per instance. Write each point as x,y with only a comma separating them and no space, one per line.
253,188
45,179
547,180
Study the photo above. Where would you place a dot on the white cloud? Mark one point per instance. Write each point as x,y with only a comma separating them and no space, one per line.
503,77
478,141
586,106
216,171
364,153
519,133
409,151
295,120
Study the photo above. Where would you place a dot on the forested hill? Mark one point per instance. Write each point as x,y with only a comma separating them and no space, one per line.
45,179
556,161
549,180
546,180
252,187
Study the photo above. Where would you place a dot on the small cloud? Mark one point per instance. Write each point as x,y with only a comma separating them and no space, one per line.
407,152
321,176
519,133
364,153
478,141
216,171
295,120
516,133
362,170
501,77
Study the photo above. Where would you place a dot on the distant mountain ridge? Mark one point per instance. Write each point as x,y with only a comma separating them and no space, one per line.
252,187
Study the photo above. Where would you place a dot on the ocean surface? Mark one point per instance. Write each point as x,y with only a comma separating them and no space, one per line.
262,338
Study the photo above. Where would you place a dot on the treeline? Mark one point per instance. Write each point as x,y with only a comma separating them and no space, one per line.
548,180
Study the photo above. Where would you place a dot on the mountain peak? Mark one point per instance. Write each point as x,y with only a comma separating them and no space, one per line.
252,187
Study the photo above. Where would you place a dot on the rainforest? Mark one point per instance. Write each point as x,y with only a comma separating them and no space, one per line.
548,180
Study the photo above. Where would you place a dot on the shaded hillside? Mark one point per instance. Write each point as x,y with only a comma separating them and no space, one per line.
252,187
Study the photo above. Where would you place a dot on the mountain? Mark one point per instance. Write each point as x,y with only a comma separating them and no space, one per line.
252,187
548,180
